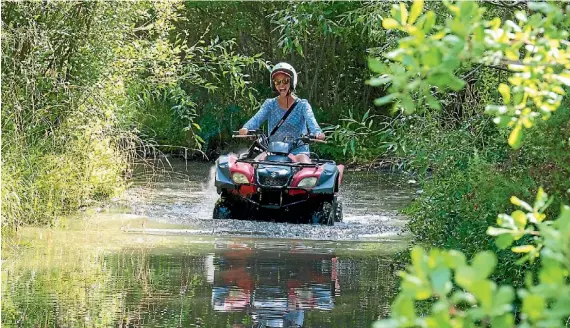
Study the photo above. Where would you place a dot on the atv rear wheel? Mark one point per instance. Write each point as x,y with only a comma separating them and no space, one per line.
337,206
223,210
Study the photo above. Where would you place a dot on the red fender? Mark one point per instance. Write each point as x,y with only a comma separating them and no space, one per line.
245,169
306,173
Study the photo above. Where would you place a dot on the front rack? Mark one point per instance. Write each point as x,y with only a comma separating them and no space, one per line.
317,162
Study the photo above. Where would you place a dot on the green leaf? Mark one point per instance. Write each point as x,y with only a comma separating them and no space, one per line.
440,280
390,23
504,241
456,259
551,273
494,231
403,13
515,136
433,102
408,105
377,81
533,306
404,307
386,99
520,219
456,83
432,57
503,299
523,249
505,320
465,276
483,292
505,92
376,65
430,21
484,263
415,11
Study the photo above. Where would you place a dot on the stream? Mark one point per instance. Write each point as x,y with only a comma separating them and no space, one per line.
156,258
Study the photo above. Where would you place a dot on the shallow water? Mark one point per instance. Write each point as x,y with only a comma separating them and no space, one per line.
156,259
183,193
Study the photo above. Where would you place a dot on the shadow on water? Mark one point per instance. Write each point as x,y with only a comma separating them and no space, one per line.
102,272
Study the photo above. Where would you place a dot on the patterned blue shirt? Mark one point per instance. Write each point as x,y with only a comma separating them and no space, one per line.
300,121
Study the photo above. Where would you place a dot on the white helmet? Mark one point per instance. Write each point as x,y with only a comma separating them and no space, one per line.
285,69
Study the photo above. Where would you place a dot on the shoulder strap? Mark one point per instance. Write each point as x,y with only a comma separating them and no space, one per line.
283,118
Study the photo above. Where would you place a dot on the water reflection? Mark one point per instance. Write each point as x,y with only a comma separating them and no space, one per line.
273,286
217,283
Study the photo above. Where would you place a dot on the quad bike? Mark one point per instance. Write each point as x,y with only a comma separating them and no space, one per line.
277,186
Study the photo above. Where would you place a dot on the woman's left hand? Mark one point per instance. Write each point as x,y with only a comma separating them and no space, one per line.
321,136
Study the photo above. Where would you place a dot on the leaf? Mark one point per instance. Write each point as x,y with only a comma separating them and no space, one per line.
197,126
403,13
430,21
440,280
484,263
433,102
533,306
523,249
518,202
504,241
504,296
390,23
483,292
415,11
408,105
456,259
377,81
494,231
505,320
386,99
404,307
505,92
376,65
520,219
465,276
515,136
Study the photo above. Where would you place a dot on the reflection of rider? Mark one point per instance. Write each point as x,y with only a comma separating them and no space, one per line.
284,81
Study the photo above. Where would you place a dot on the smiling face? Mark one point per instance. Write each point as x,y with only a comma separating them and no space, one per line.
279,80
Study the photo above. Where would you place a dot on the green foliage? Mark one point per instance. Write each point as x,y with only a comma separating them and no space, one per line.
359,139
59,95
472,172
462,294
533,48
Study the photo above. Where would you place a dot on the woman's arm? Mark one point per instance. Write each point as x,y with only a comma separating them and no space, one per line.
260,117
312,124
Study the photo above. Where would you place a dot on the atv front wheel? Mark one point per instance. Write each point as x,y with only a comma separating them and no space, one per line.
324,214
222,210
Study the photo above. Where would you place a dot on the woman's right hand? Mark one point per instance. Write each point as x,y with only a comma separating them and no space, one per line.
243,131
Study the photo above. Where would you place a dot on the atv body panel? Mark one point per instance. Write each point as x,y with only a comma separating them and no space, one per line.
272,187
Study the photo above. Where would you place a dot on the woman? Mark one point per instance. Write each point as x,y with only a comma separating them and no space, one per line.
299,122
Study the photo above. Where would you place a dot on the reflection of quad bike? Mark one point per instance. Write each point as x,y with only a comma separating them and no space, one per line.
276,288
277,184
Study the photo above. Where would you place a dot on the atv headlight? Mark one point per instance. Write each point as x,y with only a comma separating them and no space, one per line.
239,178
307,182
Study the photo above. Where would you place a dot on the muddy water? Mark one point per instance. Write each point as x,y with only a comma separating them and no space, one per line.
157,259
